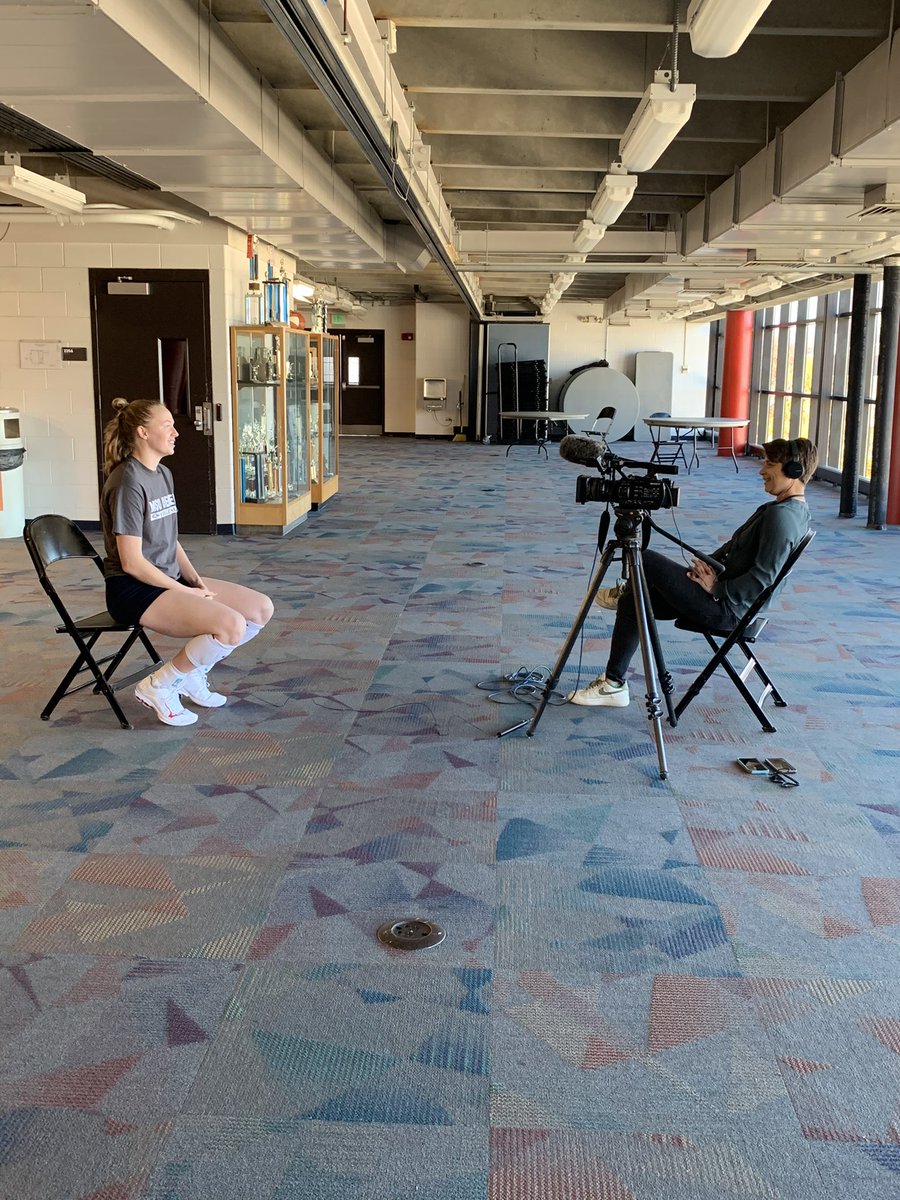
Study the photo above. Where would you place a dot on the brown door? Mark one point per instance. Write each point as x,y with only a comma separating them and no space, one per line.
362,381
151,342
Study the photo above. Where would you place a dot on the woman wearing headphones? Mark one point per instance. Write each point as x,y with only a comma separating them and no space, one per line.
716,597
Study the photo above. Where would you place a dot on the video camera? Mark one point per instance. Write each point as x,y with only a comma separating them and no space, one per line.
628,493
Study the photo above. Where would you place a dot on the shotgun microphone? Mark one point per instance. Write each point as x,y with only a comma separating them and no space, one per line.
585,451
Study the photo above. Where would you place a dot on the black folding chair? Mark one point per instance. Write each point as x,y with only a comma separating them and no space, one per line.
743,636
664,449
51,539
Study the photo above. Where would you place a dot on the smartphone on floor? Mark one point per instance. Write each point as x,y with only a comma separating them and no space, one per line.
753,766
781,765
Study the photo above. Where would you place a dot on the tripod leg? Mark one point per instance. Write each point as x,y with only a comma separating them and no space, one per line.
665,679
650,653
571,638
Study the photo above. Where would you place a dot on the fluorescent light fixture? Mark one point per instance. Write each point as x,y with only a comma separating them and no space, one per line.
701,306
612,196
25,185
735,296
588,234
768,283
661,114
301,290
720,27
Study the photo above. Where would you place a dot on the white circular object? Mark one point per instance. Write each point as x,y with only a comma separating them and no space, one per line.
594,389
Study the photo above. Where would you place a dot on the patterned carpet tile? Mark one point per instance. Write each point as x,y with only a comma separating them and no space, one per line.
663,1053
420,714
534,1164
357,829
119,1038
837,1043
593,829
332,914
135,905
115,756
54,1154
254,758
449,647
406,1048
782,925
50,817
628,919
715,783
783,835
858,1169
237,1158
428,766
885,820
28,878
212,819
575,752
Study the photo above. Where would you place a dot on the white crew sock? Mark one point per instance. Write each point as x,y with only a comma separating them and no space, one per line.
205,651
166,676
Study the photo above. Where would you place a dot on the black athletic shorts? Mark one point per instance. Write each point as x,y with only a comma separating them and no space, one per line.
127,598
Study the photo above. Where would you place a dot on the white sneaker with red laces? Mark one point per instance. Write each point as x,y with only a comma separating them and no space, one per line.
165,702
194,687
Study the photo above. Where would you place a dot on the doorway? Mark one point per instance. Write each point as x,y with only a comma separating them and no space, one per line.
151,342
362,381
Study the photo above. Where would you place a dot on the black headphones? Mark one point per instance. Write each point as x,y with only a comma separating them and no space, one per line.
793,468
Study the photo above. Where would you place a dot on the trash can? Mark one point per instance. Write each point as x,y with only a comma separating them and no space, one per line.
12,474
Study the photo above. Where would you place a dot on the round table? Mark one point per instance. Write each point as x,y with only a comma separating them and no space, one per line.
694,423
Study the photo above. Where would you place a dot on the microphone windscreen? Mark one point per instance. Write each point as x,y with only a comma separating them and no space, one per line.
575,448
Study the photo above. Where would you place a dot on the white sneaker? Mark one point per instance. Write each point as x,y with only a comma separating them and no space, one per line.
609,597
164,701
195,688
602,691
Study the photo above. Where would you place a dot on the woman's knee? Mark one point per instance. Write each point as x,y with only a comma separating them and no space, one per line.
265,610
230,627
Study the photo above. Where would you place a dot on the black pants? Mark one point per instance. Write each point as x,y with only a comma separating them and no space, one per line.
672,595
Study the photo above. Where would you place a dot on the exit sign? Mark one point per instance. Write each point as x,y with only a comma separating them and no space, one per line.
338,318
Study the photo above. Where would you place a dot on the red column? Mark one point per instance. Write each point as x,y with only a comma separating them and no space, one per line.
736,376
893,498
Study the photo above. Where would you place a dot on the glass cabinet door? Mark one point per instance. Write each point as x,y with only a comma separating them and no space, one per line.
297,432
329,413
258,363
314,430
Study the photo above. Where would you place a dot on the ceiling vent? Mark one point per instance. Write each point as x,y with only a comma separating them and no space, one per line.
883,201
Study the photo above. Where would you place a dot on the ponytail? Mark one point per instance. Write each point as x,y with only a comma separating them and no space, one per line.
119,434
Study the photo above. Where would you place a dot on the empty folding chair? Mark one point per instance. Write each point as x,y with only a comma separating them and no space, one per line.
743,637
51,539
664,450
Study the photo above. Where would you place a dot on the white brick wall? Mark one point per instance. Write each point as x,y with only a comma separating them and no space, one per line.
44,296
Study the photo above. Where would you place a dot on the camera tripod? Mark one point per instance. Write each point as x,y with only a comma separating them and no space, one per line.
626,544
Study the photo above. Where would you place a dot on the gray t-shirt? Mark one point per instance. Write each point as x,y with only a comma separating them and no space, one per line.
138,502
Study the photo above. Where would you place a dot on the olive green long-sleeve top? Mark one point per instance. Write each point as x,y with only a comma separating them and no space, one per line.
756,552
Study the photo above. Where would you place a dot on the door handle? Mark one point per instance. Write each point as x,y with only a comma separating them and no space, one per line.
198,417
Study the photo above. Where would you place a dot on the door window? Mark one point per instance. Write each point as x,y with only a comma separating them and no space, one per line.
174,377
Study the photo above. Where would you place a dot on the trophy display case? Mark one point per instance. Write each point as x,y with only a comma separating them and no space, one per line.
271,427
324,359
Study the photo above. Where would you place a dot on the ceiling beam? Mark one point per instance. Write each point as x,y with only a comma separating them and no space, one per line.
566,63
867,18
573,154
499,115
